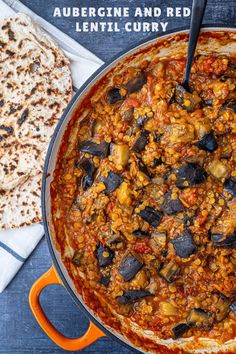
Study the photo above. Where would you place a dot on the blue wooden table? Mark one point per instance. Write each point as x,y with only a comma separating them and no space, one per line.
19,332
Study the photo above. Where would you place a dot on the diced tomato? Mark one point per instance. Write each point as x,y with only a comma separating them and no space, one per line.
189,197
131,103
211,64
103,242
201,218
177,66
141,247
207,64
148,98
110,207
150,80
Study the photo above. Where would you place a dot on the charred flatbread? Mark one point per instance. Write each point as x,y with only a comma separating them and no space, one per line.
36,87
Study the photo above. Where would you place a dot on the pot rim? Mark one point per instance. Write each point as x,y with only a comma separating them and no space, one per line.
79,92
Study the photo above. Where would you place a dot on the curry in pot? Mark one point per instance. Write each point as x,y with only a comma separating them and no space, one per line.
144,199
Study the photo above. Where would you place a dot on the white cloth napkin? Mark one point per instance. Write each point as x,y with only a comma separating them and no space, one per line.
17,245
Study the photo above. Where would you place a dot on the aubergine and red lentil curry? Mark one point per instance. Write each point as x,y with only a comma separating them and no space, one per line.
144,200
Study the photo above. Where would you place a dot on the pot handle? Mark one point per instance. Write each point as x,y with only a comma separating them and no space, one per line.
93,333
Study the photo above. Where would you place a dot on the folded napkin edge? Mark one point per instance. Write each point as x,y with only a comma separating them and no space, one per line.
12,252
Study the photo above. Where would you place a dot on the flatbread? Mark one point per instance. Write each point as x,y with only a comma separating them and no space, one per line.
36,86
21,205
19,162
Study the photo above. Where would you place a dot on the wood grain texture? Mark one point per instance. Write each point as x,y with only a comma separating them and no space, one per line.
19,332
105,45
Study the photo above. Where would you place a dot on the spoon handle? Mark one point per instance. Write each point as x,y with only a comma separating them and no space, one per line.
198,9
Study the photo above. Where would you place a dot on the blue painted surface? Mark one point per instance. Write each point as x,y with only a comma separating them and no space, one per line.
19,332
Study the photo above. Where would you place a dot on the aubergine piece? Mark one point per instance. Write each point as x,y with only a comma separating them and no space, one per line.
222,307
169,271
222,241
184,245
200,318
120,154
180,329
143,168
160,239
87,182
151,215
97,125
181,96
156,137
105,280
157,162
113,239
230,186
218,169
217,238
188,220
190,174
114,96
128,115
112,182
233,307
129,267
104,255
87,166
208,102
230,73
207,143
130,296
230,105
136,83
171,206
141,233
101,150
78,255
141,141
141,120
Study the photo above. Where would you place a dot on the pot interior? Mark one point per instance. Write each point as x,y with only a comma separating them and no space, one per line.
172,49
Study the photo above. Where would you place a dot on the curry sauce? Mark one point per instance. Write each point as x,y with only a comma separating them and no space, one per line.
143,199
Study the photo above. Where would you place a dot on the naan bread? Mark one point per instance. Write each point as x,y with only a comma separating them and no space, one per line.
36,87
